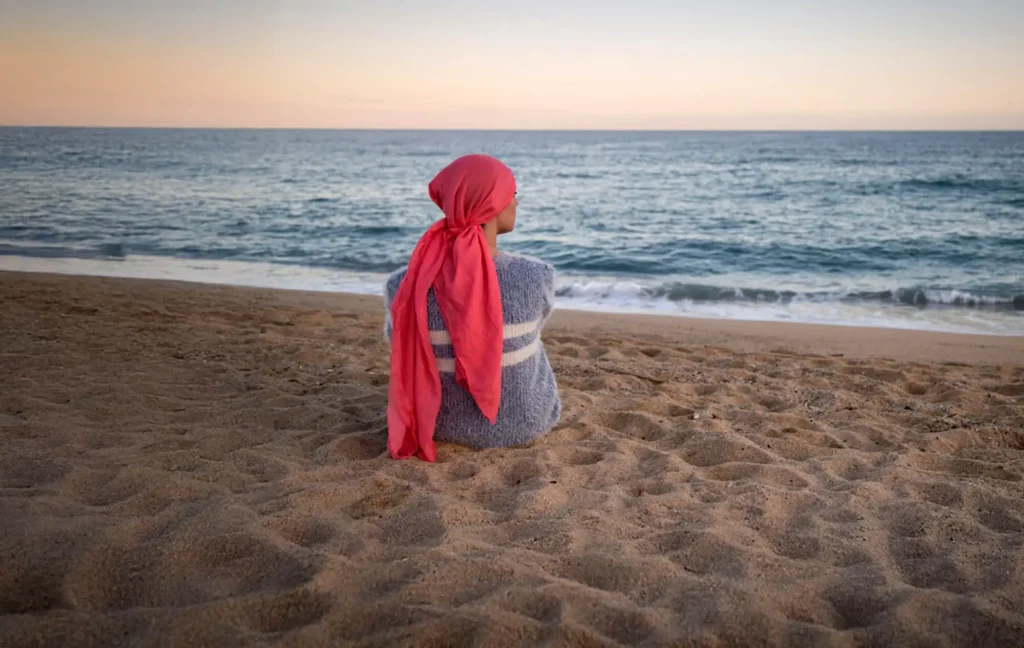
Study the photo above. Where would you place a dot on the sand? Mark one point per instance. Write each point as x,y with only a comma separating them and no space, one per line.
187,465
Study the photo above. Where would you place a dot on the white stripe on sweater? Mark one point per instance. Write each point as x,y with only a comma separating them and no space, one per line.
510,359
441,338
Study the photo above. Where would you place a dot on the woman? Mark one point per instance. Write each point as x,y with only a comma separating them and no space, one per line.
464,320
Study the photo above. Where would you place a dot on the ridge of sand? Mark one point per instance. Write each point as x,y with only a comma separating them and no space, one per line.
195,465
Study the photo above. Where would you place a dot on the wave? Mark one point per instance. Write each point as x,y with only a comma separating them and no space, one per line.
919,297
353,259
960,182
635,284
768,159
691,300
723,250
102,251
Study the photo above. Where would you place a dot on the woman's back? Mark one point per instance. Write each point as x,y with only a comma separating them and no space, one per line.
529,396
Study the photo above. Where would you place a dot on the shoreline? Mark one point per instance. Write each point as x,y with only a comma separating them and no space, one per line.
940,318
740,335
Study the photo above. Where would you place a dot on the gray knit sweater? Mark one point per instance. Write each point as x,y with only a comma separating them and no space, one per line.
529,396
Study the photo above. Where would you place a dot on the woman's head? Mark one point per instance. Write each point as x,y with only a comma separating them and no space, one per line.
475,190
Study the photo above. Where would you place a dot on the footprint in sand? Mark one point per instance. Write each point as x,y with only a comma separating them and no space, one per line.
539,606
638,425
961,467
773,475
286,611
705,449
701,552
580,457
355,447
303,531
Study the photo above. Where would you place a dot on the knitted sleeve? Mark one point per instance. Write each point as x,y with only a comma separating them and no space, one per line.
390,289
548,296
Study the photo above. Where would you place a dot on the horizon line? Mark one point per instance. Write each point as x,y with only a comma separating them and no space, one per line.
519,130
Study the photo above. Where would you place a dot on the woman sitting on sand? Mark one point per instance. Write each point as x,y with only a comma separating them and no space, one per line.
464,320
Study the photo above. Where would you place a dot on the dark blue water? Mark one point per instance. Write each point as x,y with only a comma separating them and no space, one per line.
924,230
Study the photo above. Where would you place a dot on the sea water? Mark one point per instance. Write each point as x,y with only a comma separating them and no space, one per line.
910,230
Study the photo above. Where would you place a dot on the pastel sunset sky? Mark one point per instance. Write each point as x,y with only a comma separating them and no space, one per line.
528,64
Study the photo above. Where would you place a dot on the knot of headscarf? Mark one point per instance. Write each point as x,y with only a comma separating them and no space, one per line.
454,259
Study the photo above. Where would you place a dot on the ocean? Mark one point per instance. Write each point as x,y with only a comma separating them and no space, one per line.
909,230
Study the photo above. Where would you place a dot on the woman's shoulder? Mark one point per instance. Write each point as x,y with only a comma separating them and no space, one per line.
526,267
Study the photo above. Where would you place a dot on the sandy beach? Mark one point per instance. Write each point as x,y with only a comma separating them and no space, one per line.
185,465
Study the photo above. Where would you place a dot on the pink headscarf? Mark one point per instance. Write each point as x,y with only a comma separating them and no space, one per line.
452,257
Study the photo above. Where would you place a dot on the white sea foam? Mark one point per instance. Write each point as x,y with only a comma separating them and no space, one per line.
574,294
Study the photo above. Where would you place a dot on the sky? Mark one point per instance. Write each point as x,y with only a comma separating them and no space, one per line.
552,64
